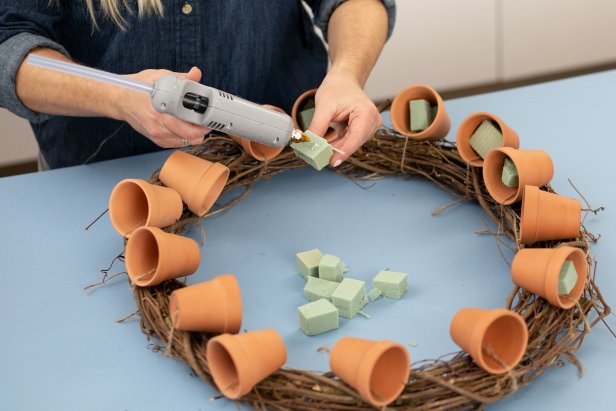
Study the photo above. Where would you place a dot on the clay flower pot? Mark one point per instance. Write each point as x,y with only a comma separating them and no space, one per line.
400,116
548,216
239,362
153,256
538,270
496,339
134,203
535,168
330,134
258,151
467,129
212,306
198,181
378,370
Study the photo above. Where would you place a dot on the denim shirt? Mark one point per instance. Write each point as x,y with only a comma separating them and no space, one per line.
263,50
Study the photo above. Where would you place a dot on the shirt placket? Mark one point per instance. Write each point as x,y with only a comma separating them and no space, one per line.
186,33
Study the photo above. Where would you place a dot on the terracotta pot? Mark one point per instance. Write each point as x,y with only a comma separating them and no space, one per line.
198,181
239,362
213,306
134,203
467,129
330,134
400,116
258,151
378,370
153,256
496,339
535,168
548,216
538,270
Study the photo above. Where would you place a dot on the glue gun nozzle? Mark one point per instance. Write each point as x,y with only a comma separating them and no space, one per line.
299,137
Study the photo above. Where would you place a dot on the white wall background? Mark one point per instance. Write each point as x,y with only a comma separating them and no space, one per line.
453,44
17,143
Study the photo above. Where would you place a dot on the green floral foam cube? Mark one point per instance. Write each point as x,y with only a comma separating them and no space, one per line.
567,278
510,174
318,317
317,288
487,137
420,115
308,263
331,268
392,284
306,117
317,152
349,297
374,293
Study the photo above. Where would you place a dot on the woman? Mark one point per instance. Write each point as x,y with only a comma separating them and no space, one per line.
264,51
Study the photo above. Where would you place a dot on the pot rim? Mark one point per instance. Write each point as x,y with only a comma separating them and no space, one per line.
225,344
495,161
203,196
463,140
330,135
479,333
368,364
153,232
528,220
123,184
559,256
401,101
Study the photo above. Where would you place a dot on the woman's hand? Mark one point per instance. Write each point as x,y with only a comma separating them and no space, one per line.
356,33
341,103
163,129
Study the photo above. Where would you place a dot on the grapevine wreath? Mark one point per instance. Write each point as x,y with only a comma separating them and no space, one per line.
449,382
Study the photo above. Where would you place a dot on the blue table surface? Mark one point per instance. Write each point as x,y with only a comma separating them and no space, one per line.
62,349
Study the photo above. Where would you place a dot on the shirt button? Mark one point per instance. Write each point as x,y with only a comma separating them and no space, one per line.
186,8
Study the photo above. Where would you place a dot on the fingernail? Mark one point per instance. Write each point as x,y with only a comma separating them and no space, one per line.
337,163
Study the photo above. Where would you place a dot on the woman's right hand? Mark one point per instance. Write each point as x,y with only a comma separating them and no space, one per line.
163,129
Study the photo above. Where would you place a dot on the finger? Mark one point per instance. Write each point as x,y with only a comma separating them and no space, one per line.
323,115
341,128
197,141
166,138
361,127
184,129
194,74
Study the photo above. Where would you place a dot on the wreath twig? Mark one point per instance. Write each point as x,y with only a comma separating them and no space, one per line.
450,382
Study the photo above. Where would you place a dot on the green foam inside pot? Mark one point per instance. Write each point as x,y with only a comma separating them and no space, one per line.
434,112
308,263
331,268
567,279
317,288
349,297
487,137
318,317
510,174
308,104
420,114
392,284
374,293
306,117
317,152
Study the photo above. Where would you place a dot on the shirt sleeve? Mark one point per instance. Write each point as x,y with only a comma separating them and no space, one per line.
21,31
323,10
